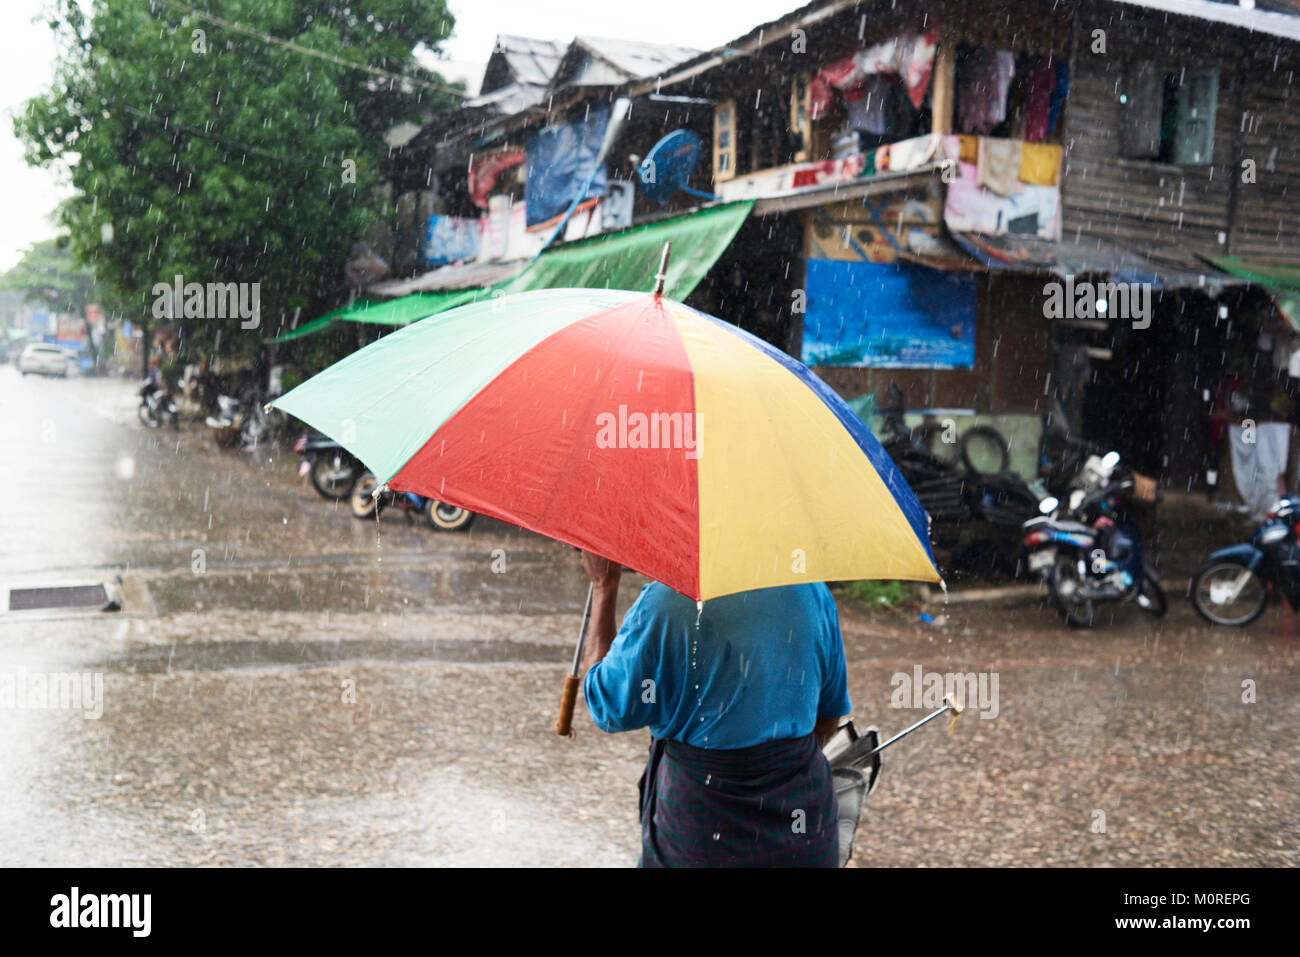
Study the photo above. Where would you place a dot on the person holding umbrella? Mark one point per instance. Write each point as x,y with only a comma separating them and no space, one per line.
739,697
656,437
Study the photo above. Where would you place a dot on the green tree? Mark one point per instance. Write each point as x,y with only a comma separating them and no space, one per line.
240,142
49,275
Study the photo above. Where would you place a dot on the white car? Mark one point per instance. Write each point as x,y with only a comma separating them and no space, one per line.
43,358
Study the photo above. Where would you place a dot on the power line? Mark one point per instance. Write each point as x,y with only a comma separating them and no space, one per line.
307,51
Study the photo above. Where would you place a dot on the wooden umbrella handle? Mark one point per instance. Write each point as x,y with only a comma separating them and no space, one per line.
564,723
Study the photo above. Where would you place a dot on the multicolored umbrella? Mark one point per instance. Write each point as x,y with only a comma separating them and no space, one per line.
634,427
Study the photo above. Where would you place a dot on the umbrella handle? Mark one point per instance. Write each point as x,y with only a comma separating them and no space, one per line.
564,723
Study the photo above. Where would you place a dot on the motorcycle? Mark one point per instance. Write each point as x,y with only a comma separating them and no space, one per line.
441,517
333,470
156,404
1232,588
244,419
1090,552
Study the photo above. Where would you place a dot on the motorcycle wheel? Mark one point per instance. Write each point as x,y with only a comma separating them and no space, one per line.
984,451
364,505
1246,607
146,416
1151,597
1064,582
447,518
332,482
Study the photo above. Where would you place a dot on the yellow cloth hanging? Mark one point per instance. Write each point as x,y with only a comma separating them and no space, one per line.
1040,164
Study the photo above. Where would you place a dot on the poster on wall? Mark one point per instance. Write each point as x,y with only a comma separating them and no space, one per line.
450,239
888,316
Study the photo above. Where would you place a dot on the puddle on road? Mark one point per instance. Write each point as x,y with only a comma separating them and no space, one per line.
234,655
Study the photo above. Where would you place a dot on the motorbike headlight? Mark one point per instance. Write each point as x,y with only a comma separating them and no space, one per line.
1048,505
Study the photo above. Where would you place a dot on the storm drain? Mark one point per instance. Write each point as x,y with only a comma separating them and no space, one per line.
69,596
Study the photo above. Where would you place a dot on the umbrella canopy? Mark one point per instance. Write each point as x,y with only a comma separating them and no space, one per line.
634,427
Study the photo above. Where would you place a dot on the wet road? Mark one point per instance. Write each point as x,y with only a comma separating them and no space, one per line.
287,685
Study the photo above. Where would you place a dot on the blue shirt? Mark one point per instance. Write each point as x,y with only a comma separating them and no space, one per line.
760,665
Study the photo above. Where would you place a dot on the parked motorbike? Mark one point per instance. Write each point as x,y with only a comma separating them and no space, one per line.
244,419
157,404
1089,552
1232,587
440,516
333,470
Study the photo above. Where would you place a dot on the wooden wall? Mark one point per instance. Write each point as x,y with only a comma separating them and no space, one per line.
1169,211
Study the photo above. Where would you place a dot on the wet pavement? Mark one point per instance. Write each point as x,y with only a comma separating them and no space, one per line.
289,686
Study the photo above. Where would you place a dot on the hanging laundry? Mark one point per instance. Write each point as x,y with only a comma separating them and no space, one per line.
843,74
1006,69
1039,82
1040,164
914,153
983,79
874,109
999,165
910,57
967,207
915,62
1060,90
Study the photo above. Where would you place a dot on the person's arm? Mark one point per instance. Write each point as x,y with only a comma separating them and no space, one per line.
825,729
833,703
604,576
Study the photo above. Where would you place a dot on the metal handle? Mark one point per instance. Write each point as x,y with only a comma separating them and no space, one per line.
569,697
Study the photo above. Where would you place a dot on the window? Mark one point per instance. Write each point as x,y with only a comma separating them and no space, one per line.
724,141
1168,116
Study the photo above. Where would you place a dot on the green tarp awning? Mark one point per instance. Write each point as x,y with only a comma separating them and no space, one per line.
408,309
1282,280
624,260
630,259
316,325
307,328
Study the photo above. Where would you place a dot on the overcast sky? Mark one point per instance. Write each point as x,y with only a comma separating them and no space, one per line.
28,196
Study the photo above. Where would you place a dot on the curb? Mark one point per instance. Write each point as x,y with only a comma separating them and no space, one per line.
1018,594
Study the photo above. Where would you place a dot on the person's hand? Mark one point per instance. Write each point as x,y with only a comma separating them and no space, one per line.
602,572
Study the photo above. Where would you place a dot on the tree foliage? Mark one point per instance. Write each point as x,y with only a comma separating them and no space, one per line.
203,141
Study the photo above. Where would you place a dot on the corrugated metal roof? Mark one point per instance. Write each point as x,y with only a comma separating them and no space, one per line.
1260,21
508,99
531,61
635,58
1067,257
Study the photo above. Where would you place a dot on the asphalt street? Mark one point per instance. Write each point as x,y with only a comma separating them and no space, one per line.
286,685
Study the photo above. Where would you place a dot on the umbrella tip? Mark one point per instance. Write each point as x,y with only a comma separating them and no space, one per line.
662,276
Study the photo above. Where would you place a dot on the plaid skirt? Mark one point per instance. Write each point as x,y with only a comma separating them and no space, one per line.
770,805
